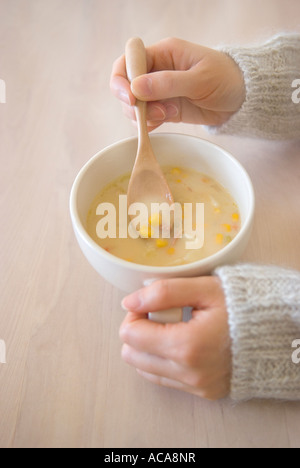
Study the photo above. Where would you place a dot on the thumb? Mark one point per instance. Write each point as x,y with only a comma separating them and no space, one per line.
163,85
178,292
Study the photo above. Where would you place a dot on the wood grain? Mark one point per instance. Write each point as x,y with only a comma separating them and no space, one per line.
64,384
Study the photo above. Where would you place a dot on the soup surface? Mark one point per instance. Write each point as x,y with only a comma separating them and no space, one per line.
208,219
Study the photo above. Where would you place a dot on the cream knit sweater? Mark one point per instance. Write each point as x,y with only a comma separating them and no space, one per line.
263,302
269,72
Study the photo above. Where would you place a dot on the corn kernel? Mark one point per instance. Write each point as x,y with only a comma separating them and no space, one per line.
171,251
226,227
217,210
235,216
175,170
155,220
161,243
144,231
219,238
178,181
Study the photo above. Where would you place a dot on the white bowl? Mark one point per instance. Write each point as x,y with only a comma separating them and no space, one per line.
178,150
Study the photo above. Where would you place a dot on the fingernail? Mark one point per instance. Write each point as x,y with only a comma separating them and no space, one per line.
171,110
158,113
131,302
142,86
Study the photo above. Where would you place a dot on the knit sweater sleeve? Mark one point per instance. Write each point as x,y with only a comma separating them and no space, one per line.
272,79
263,304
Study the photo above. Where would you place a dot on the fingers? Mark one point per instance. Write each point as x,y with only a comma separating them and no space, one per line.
179,292
175,384
150,337
170,65
168,340
160,56
150,363
185,356
168,374
119,84
163,381
163,85
211,393
156,115
157,112
166,80
160,371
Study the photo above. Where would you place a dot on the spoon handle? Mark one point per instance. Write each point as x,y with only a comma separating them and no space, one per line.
136,60
136,65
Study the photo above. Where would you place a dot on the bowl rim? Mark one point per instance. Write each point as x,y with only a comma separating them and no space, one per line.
149,269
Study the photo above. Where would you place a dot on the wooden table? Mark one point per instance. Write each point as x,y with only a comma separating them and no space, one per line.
64,384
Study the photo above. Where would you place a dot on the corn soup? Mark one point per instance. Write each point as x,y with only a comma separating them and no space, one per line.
221,221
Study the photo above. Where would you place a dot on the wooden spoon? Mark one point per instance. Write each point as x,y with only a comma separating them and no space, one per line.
147,183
